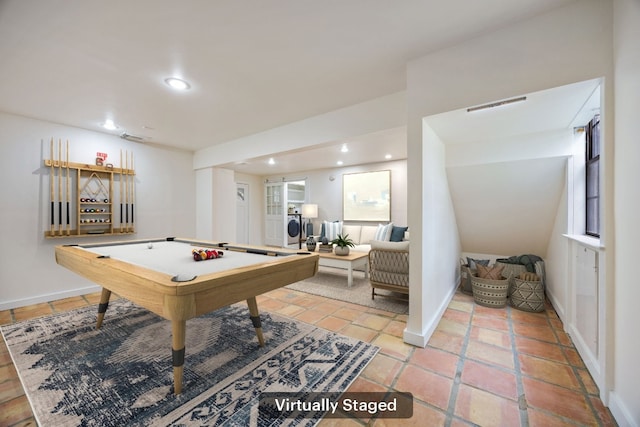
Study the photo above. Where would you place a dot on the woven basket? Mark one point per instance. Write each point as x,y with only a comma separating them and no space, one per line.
511,271
527,295
465,279
489,292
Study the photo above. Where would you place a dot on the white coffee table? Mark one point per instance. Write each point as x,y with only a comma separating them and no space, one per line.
348,262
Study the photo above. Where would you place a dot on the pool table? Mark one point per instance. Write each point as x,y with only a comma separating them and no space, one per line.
162,276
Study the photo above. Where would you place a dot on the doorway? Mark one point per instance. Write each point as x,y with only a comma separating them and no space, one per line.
242,213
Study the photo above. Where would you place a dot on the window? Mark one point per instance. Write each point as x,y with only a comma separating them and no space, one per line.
592,163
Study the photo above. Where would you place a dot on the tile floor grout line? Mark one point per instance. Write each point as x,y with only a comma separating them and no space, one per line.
574,369
586,394
457,379
522,400
512,318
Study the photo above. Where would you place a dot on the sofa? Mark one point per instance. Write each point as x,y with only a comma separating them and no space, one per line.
363,235
387,247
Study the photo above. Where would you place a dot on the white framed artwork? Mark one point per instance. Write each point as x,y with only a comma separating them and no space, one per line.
366,196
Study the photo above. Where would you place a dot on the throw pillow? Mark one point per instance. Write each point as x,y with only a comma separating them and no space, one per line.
397,233
472,262
332,229
383,232
493,273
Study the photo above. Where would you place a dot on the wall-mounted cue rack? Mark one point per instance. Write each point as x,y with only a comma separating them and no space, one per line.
89,200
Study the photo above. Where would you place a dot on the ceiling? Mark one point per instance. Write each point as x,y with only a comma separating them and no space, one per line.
252,66
563,107
382,146
553,109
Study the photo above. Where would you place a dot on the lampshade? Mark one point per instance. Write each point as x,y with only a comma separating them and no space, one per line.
310,210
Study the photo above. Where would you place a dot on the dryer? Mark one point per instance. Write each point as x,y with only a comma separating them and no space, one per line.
294,227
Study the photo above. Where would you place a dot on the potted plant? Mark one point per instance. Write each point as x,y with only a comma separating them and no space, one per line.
342,244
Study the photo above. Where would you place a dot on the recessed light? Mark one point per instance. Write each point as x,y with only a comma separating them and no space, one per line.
344,148
271,161
388,156
109,125
177,84
339,163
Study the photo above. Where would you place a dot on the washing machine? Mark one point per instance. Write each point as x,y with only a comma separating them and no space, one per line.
293,229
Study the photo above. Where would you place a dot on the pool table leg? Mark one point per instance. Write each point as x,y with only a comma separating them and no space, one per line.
254,315
178,340
102,307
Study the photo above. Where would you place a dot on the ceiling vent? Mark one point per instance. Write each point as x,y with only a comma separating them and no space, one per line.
497,104
132,138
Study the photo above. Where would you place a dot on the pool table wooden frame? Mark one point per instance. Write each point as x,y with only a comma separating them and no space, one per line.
180,301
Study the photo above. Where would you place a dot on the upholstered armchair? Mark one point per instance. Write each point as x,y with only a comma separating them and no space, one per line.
389,269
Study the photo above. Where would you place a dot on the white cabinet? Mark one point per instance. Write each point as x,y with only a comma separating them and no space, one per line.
281,199
274,214
295,196
586,298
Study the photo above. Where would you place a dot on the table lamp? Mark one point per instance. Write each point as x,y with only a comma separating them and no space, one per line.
309,211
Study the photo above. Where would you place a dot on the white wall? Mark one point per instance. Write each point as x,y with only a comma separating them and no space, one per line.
507,207
324,188
435,243
216,204
544,52
165,198
557,275
625,404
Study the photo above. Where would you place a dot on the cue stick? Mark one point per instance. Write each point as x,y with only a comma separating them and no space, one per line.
52,188
221,246
126,192
121,178
251,251
133,193
60,187
68,191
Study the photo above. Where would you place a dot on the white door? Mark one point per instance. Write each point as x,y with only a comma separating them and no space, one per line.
242,213
274,214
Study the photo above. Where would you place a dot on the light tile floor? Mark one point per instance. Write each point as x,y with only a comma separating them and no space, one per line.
482,366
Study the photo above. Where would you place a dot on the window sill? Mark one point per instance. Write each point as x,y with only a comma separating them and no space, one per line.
588,241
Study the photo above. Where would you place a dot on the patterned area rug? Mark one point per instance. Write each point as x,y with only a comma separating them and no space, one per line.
75,375
332,283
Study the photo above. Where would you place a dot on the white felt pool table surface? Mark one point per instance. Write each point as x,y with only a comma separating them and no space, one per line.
175,257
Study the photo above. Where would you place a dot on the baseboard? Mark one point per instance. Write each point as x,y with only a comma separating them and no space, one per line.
559,308
421,339
6,305
620,412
